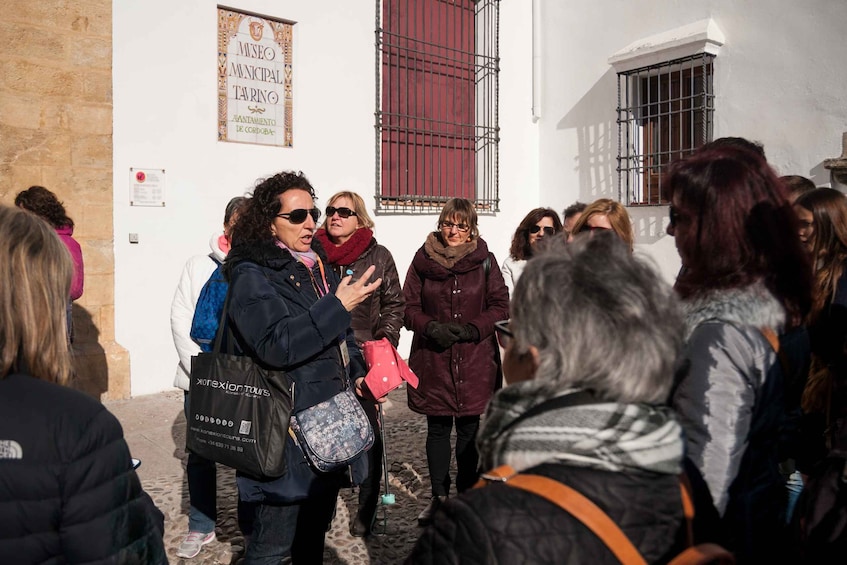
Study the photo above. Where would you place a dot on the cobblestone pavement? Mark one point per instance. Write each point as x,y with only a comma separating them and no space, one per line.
165,481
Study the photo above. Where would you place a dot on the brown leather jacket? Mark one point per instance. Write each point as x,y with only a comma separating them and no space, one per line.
381,314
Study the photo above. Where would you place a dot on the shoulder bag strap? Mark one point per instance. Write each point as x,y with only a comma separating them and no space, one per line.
578,506
599,522
223,326
773,340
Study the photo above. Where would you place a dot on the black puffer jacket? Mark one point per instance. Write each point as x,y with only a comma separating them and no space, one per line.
68,493
499,524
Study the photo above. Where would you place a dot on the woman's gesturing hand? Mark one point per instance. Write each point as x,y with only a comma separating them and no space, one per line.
351,294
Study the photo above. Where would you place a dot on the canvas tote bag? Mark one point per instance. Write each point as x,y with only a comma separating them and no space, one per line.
238,410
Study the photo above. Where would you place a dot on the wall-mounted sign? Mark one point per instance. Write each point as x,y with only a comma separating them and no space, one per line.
254,78
146,187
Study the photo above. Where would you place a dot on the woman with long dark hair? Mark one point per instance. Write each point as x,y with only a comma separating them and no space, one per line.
823,230
289,312
454,294
538,224
745,284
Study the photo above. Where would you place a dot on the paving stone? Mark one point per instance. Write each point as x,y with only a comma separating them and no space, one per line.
407,474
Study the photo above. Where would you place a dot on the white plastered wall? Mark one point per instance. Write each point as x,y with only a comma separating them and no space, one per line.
779,79
165,117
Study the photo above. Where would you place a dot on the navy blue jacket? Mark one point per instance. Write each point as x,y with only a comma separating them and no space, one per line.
279,319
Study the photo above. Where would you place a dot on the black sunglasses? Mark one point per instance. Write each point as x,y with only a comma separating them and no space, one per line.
547,230
299,216
504,334
343,212
587,228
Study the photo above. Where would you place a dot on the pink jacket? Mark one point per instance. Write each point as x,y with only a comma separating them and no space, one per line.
66,235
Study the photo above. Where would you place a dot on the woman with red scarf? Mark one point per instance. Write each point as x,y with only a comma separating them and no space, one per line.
351,249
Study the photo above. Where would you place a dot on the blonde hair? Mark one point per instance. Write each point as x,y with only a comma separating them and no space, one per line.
617,215
359,207
35,280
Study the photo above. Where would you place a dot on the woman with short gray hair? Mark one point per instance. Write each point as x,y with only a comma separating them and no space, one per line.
591,350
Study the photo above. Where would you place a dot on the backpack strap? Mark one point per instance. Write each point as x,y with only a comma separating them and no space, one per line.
577,505
593,518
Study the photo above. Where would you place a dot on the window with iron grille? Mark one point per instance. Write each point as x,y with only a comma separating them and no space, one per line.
437,133
665,111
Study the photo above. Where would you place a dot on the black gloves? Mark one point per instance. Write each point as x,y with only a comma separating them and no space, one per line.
445,335
441,334
467,332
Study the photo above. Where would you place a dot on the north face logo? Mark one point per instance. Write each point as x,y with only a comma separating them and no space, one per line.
10,449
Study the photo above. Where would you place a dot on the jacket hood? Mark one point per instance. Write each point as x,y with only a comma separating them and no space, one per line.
215,246
430,269
753,305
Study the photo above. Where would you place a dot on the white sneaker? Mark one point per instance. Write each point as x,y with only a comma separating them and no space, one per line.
192,544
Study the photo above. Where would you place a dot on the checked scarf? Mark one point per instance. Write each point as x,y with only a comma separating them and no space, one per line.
602,435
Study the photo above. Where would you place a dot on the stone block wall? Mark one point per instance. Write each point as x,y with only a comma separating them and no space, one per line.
56,131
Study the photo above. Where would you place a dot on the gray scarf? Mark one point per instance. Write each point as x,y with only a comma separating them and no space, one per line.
604,435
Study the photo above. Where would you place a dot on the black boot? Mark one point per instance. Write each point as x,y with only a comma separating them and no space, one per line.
361,524
425,517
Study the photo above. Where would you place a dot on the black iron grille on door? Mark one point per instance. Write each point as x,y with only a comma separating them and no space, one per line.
665,111
437,67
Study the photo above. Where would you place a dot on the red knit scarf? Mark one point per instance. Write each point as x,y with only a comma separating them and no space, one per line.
348,251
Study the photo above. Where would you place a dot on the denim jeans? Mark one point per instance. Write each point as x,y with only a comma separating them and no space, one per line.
438,430
794,484
291,533
202,491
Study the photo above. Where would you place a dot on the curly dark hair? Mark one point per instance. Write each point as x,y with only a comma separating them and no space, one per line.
521,249
44,203
253,225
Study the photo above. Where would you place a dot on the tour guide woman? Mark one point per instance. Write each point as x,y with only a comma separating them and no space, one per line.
454,294
289,312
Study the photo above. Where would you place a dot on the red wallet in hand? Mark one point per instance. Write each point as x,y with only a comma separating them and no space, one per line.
386,369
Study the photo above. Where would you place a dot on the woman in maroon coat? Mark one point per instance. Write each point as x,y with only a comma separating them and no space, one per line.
454,293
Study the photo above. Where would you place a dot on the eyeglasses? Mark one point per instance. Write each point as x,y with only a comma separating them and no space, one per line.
342,212
587,228
299,216
504,334
547,230
450,225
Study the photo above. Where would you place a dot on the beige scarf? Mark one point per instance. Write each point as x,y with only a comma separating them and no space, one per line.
445,255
